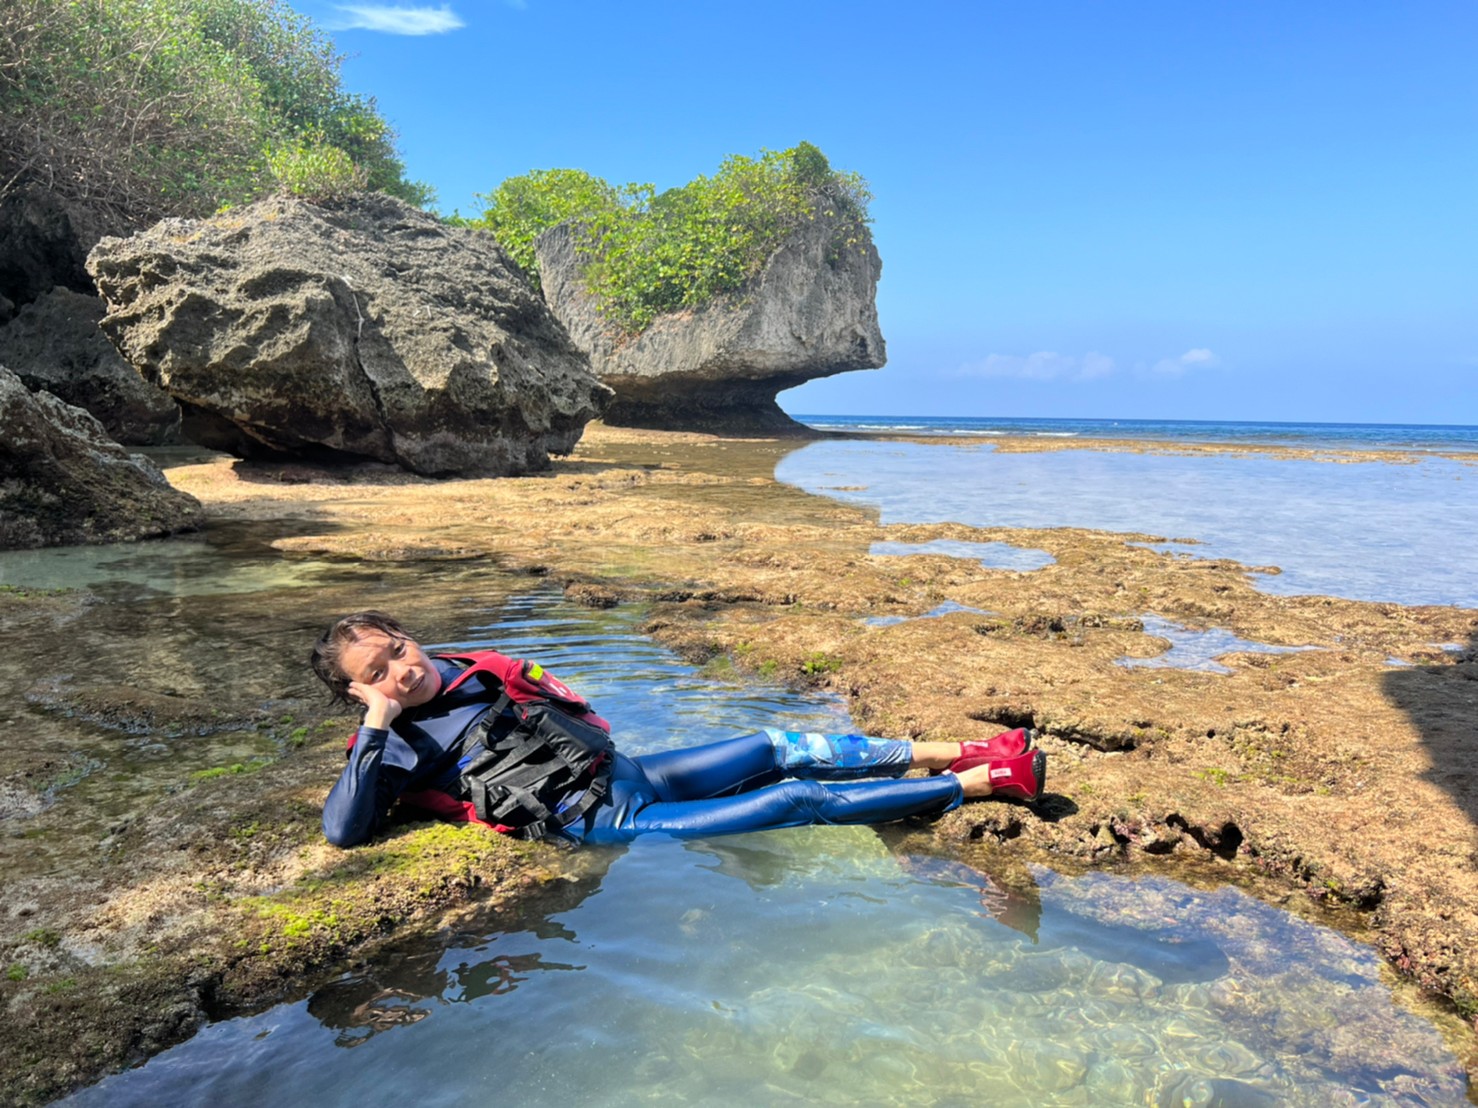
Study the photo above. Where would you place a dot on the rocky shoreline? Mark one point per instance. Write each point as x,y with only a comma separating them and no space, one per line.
1326,780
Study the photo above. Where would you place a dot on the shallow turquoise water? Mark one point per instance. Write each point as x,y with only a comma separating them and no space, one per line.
1364,530
226,559
817,965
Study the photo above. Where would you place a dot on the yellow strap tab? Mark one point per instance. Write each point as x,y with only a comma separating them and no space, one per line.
535,671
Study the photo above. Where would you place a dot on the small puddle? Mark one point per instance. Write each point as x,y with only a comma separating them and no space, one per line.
992,555
948,608
1198,649
816,964
1453,649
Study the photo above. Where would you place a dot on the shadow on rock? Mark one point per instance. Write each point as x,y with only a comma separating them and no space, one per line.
1438,694
1054,807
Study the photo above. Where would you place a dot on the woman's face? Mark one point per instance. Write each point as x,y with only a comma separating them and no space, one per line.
395,667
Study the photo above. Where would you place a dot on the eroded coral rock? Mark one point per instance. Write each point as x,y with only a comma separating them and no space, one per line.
44,240
54,344
810,313
64,481
367,329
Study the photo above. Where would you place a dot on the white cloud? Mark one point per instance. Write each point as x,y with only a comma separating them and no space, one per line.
1044,365
1198,358
397,21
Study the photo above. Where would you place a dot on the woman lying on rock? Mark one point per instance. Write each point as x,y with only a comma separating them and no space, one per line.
480,737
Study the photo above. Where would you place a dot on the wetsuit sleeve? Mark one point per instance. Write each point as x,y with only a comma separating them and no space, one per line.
362,795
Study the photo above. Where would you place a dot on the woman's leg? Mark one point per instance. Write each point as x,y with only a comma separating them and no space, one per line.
765,757
790,803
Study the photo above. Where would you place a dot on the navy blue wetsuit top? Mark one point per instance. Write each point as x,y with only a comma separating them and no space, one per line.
419,751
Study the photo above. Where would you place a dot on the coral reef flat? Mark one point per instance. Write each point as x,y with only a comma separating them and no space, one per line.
1327,780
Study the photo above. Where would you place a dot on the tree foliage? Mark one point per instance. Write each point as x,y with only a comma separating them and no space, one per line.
156,107
647,252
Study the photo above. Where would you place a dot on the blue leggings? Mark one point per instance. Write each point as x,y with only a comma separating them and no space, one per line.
765,780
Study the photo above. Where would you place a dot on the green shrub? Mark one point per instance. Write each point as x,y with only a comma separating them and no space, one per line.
314,170
647,253
521,207
146,108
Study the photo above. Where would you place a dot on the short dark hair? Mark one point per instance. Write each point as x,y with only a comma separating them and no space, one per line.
328,651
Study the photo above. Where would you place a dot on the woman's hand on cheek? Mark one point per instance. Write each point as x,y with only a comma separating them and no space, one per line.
380,710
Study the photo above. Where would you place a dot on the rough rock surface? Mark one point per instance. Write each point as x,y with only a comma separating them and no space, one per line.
64,481
43,243
367,329
54,344
810,313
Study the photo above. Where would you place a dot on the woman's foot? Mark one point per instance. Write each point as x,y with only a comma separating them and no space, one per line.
1008,744
1018,778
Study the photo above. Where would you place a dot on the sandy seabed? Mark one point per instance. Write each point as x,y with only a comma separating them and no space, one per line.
1329,781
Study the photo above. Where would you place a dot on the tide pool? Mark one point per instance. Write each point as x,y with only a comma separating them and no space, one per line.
837,965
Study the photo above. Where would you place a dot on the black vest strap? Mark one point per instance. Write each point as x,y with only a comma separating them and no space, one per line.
542,756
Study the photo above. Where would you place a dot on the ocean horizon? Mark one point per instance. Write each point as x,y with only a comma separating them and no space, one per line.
1415,437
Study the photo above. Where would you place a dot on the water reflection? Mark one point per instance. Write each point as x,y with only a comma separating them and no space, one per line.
814,964
819,964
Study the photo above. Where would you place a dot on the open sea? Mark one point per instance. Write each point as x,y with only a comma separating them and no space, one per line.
1420,437
1400,530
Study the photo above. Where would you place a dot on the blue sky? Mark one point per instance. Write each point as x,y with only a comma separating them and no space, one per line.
1194,210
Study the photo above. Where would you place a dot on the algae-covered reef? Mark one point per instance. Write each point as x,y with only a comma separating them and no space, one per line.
141,902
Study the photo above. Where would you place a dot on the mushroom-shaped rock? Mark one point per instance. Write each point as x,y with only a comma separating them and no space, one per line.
810,312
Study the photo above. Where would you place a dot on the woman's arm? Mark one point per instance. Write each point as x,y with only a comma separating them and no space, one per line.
364,792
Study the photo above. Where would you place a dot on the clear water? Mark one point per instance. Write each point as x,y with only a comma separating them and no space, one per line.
992,555
818,965
180,567
1364,530
1198,649
948,608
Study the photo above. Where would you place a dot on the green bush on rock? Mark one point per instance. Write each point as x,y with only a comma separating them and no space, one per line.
650,252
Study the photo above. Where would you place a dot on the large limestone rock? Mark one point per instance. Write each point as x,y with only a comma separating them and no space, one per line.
64,481
810,313
54,344
368,329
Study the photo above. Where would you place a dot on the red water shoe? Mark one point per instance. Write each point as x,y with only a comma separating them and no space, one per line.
1019,778
1008,744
